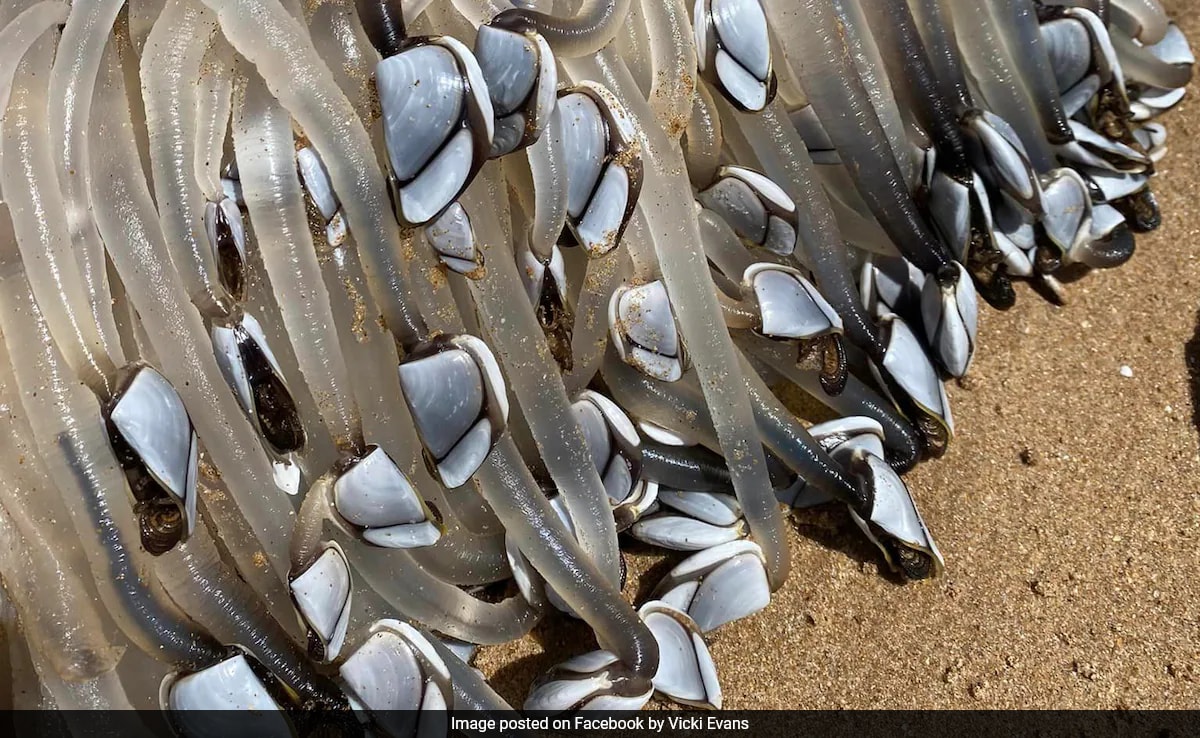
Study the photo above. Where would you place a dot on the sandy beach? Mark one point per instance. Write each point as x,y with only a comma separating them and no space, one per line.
1067,508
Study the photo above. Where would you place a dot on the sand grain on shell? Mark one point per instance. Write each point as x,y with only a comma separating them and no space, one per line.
1068,509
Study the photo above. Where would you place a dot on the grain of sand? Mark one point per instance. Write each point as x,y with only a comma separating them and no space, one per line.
1068,510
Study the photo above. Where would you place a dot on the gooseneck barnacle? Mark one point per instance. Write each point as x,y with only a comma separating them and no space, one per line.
324,321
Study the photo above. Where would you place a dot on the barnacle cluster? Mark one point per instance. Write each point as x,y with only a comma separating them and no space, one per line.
340,338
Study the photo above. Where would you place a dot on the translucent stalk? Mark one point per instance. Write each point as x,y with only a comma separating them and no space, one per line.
19,34
142,15
213,102
73,660
170,68
22,467
534,378
1021,33
590,28
704,139
938,34
72,82
589,336
542,538
787,437
40,221
649,399
786,161
991,73
816,40
130,227
900,438
674,59
266,158
471,690
522,509
65,627
341,43
868,62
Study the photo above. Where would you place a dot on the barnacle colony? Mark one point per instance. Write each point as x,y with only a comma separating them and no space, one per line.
319,318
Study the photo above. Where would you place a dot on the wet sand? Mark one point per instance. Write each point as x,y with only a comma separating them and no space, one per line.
1068,510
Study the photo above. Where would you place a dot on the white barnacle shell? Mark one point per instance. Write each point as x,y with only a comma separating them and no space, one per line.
952,206
1069,48
1105,62
1067,208
1165,64
949,311
545,281
226,698
757,209
227,238
906,368
1118,185
790,307
457,397
843,435
316,181
522,79
149,422
613,443
438,124
453,238
894,524
1152,102
733,51
1001,158
890,284
718,585
662,434
680,532
603,163
1153,138
644,331
375,495
713,508
250,367
591,681
321,594
398,677
1090,149
686,672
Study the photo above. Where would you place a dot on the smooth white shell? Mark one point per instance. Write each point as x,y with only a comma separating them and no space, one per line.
439,183
322,596
150,416
445,392
421,93
686,672
316,181
584,147
374,493
228,685
742,28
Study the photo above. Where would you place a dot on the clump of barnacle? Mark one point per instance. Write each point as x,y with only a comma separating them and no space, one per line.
273,274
